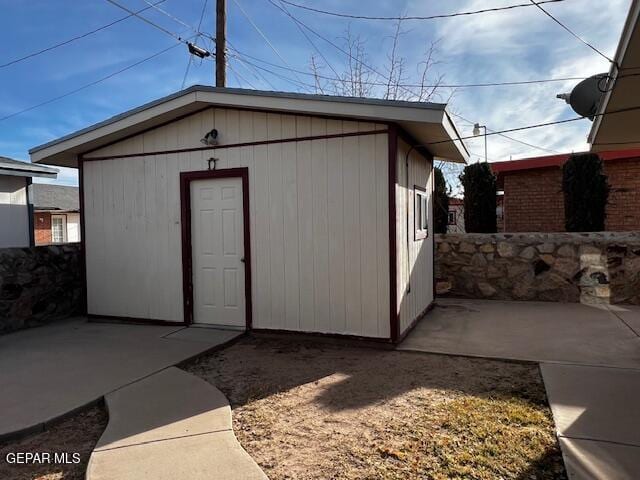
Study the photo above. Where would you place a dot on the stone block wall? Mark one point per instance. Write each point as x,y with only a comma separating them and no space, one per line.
38,285
556,267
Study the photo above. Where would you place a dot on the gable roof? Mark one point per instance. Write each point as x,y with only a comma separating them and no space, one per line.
55,197
18,168
426,122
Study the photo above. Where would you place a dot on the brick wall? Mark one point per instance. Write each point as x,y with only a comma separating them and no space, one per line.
42,227
534,201
623,210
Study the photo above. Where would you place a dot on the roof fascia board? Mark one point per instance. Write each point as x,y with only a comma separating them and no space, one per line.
625,37
110,127
27,173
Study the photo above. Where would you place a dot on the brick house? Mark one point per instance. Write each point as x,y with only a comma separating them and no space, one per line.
56,214
533,200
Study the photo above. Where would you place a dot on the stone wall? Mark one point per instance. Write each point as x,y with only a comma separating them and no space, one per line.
38,285
556,267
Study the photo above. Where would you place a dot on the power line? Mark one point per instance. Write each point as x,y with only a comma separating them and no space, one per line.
91,84
73,39
186,72
313,44
146,20
239,76
409,85
373,69
257,29
537,4
431,17
536,125
531,145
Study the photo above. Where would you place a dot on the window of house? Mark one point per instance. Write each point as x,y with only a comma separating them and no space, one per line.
58,228
421,214
452,217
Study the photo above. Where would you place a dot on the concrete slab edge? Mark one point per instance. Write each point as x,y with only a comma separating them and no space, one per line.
51,422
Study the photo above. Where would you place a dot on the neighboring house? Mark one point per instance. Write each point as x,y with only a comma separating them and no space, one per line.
455,222
283,211
56,217
533,198
619,131
15,211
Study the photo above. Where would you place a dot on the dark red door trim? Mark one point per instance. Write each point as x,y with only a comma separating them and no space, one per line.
394,322
187,259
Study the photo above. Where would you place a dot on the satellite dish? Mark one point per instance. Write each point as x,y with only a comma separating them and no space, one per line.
585,97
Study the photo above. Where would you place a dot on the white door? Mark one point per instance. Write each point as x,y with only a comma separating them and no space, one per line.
217,244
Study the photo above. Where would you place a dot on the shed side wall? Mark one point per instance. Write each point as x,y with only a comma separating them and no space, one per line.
318,220
14,212
415,257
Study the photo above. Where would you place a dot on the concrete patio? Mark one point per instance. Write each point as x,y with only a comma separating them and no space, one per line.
589,359
50,371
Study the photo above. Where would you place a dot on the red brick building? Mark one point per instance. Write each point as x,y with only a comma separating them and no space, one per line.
533,200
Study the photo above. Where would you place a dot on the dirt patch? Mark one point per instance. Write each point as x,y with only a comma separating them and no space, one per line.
77,434
309,410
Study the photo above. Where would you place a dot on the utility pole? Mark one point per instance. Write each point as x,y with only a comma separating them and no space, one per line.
221,35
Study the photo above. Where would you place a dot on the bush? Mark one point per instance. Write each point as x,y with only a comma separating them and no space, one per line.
479,185
586,192
441,205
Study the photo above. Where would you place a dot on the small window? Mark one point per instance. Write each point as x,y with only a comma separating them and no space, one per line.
421,214
58,229
452,217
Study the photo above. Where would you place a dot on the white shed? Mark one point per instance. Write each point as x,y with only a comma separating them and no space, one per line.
303,213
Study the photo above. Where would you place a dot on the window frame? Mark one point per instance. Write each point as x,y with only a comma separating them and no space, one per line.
63,226
420,213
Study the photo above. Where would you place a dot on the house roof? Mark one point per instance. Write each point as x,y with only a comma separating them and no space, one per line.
428,123
556,161
619,130
55,198
18,168
503,168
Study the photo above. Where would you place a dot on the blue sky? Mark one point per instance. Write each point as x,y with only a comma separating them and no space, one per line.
518,44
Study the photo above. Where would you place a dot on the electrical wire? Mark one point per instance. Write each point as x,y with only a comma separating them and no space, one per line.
91,84
257,29
73,39
147,21
431,17
410,85
375,70
186,73
529,127
576,36
513,139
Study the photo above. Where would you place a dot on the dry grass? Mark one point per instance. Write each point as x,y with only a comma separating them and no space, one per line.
309,410
78,433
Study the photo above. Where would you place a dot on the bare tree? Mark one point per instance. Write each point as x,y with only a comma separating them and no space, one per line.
392,81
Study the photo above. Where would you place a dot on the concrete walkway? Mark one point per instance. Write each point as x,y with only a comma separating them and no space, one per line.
171,425
48,372
590,363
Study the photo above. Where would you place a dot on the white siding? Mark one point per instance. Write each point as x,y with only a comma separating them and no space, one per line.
73,227
14,212
414,258
318,221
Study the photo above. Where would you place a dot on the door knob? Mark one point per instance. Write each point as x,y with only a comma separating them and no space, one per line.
242,259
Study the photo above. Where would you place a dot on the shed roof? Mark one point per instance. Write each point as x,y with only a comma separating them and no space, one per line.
428,123
18,168
55,197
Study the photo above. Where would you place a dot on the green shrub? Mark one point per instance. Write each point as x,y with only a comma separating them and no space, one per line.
441,205
586,192
479,185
